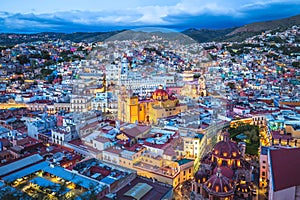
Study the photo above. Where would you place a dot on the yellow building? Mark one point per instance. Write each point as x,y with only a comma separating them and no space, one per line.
187,76
238,122
191,147
257,120
202,86
151,165
289,103
161,105
12,104
128,158
166,171
294,130
96,90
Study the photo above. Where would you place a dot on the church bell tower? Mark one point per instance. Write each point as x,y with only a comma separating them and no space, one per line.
202,86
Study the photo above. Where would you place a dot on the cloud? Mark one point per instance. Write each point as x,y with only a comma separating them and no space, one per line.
181,15
262,4
194,7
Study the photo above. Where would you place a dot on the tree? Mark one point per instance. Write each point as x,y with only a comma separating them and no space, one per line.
46,72
23,59
45,54
231,85
296,64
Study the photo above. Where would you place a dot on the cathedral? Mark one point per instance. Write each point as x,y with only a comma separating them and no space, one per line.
133,109
224,174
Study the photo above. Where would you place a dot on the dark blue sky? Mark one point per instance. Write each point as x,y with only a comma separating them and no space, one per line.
105,15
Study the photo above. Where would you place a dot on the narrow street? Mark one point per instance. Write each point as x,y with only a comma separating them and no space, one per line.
183,191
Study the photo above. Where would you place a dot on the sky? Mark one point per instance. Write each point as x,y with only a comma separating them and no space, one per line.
28,16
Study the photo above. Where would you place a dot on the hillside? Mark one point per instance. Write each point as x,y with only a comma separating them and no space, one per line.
140,35
206,35
267,25
200,35
256,28
9,39
243,32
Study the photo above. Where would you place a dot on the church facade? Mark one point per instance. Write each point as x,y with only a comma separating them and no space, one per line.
133,109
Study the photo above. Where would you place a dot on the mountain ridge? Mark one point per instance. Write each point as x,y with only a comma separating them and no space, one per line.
234,34
268,25
239,34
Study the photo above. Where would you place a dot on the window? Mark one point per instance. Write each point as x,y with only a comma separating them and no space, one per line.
264,161
190,170
263,173
224,163
183,173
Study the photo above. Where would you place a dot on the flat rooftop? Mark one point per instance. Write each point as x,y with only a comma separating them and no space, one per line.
24,172
14,166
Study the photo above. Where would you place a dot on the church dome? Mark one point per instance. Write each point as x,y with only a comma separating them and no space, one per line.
226,171
219,185
201,176
160,94
227,150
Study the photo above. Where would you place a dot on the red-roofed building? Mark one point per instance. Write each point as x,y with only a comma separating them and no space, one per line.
133,132
70,162
284,179
97,169
6,156
5,143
